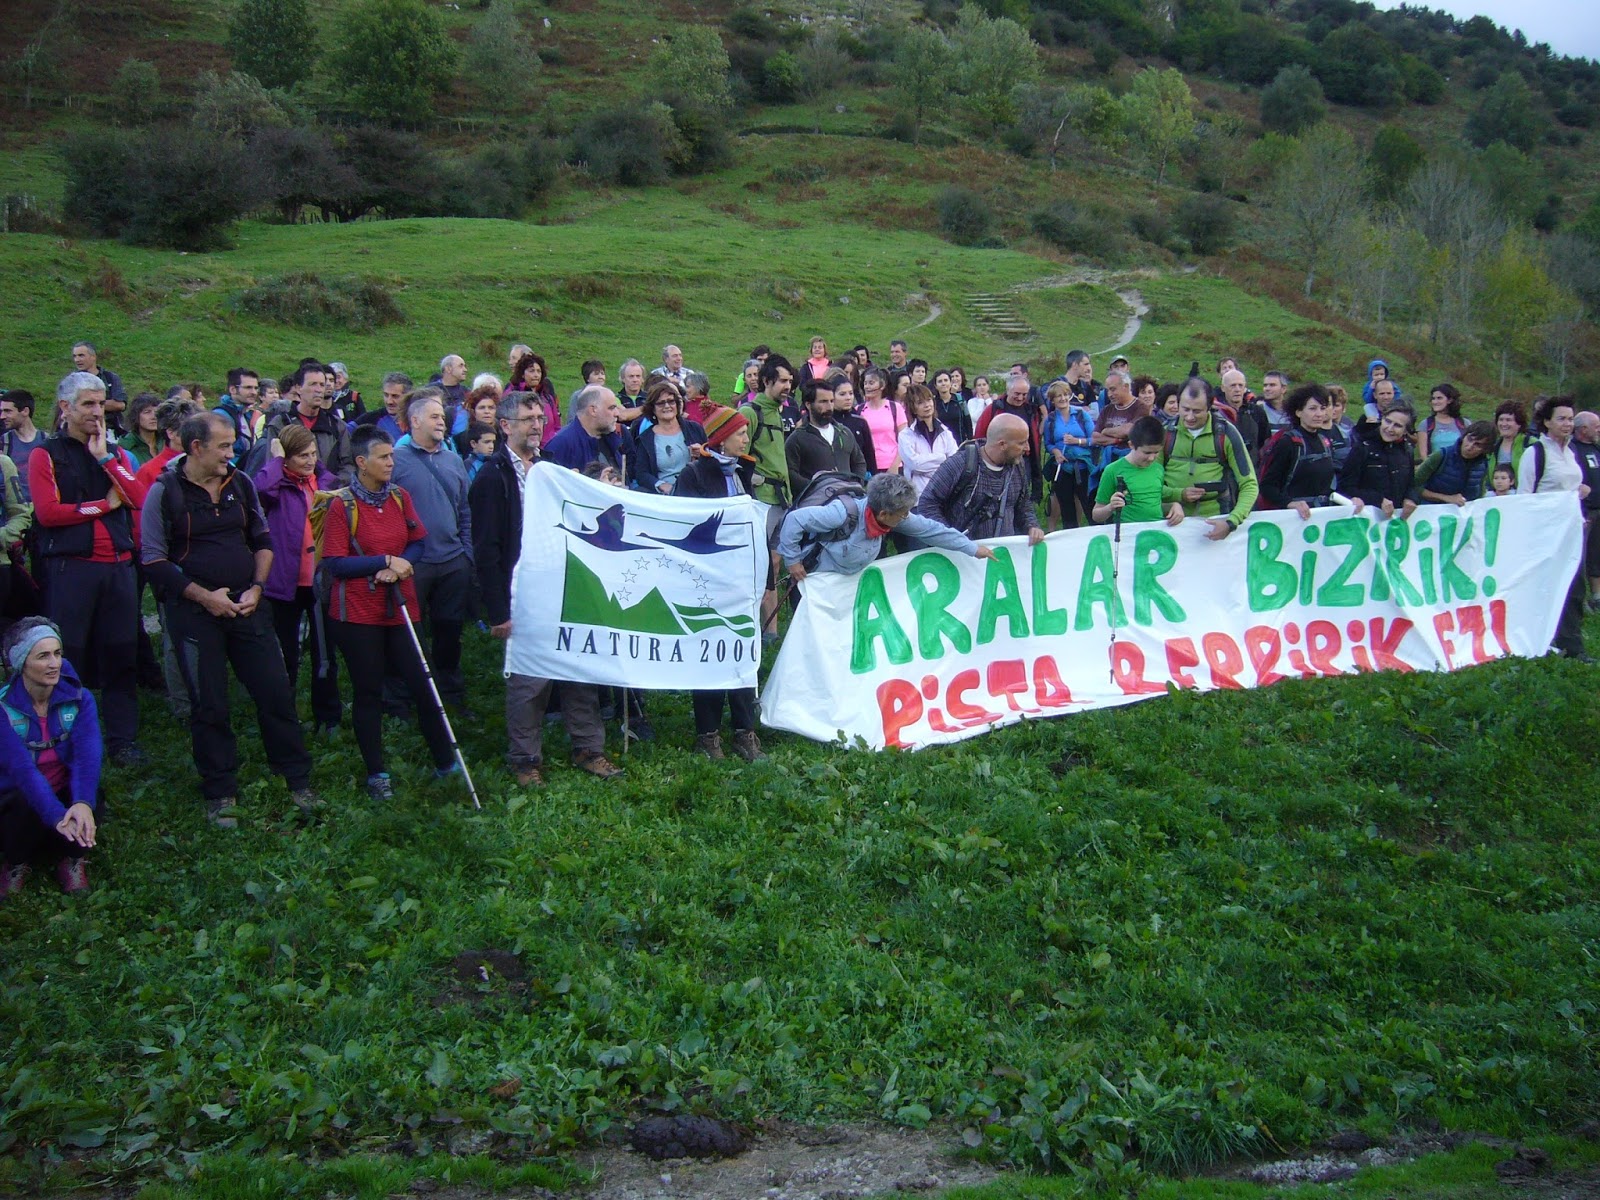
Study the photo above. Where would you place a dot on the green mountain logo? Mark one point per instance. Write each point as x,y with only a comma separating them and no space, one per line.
586,601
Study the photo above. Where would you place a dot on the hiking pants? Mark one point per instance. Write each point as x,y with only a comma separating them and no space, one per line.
326,707
96,607
526,698
206,647
367,650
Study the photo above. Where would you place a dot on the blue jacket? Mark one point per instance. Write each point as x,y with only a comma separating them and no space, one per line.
574,448
437,484
80,749
856,551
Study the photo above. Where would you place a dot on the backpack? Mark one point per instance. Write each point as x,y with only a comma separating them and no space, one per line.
1222,432
321,584
756,428
174,508
1291,436
1537,447
826,487
19,722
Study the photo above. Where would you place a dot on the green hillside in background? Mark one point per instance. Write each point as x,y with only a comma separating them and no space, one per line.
1397,183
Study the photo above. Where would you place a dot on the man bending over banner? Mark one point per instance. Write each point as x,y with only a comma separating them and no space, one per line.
846,535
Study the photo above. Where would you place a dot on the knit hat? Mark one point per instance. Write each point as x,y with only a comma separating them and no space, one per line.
722,422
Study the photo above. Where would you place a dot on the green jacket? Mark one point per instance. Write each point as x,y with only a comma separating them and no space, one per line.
767,448
1192,461
18,512
135,445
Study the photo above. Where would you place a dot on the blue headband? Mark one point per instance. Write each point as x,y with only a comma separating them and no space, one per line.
30,639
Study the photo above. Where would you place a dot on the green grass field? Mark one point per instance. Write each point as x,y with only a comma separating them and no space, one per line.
1243,921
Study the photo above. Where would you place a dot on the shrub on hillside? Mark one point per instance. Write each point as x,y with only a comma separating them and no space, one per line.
175,188
824,63
1292,102
781,78
97,164
272,40
308,301
1077,229
1208,223
966,217
1151,225
236,105
135,93
631,145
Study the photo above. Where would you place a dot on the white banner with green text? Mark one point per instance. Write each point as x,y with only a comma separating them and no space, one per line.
929,647
636,589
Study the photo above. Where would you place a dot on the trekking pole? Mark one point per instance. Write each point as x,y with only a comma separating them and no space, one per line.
1116,595
427,673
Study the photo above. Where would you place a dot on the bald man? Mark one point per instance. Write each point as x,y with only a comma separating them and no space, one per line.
983,490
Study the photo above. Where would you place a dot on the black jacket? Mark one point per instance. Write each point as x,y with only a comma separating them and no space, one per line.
703,479
496,504
1376,470
809,453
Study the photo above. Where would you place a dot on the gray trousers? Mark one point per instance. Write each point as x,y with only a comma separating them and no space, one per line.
526,698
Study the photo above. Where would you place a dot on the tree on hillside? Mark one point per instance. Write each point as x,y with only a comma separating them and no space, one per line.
694,65
1394,158
1518,301
500,61
922,69
273,40
1159,112
994,57
1506,113
1316,194
390,58
1462,228
237,105
1356,66
41,64
1293,101
136,93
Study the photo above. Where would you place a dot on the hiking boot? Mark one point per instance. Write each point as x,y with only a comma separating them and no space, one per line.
379,787
220,812
527,777
598,765
306,799
72,875
446,772
710,744
129,756
640,730
12,878
747,745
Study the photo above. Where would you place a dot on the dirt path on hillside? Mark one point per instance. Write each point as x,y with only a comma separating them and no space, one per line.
794,1162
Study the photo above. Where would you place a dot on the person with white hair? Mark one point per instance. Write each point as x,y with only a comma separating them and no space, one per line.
671,365
451,379
345,401
85,491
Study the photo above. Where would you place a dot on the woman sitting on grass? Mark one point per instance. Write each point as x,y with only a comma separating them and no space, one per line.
50,755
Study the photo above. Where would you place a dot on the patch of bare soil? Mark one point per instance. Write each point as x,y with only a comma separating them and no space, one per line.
786,1161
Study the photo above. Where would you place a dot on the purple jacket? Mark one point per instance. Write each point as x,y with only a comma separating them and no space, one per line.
80,751
284,502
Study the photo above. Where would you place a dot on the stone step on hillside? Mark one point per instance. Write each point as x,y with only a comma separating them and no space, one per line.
997,313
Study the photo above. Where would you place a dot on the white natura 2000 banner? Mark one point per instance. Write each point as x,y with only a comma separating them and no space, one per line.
636,589
928,647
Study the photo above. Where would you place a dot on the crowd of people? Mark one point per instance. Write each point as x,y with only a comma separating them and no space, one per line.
291,525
